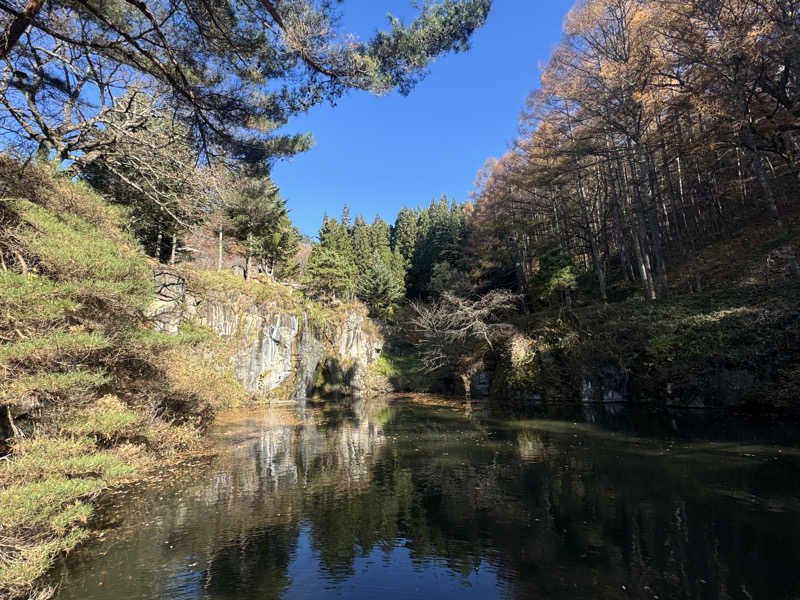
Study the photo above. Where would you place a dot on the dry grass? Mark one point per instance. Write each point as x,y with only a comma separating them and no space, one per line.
260,290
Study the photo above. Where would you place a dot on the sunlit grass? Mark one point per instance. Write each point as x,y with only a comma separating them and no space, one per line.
52,345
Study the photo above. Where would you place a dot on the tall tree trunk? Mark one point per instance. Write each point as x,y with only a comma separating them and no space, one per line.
641,243
159,240
248,256
648,178
219,251
173,248
769,199
599,267
617,218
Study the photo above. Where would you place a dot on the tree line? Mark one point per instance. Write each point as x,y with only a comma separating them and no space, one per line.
381,264
658,126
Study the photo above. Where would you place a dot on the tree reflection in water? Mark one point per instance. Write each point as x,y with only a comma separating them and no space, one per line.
400,500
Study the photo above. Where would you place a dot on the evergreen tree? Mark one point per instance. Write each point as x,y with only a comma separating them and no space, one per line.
362,244
329,274
346,217
440,229
331,270
379,233
233,71
259,217
404,234
379,287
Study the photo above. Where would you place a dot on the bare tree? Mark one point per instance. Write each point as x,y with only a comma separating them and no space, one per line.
455,333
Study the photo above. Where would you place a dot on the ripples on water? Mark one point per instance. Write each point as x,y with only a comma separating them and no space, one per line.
394,499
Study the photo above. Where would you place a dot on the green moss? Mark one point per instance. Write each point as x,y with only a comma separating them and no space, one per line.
404,371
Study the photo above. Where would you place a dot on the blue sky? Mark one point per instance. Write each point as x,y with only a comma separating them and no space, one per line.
378,154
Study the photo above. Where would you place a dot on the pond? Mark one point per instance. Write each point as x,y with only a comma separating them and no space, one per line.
426,498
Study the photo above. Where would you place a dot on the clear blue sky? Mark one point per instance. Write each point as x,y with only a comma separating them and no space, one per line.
378,154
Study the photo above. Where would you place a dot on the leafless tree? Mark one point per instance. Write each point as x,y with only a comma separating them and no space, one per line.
455,333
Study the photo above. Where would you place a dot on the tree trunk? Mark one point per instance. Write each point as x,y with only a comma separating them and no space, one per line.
18,26
248,256
640,236
599,267
159,239
219,251
649,179
43,152
465,381
174,247
772,207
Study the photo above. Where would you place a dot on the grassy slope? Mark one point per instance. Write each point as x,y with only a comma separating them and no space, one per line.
89,392
738,341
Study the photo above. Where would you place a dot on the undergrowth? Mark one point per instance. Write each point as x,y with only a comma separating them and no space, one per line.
90,393
724,347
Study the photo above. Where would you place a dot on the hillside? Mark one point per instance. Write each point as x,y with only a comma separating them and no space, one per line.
733,343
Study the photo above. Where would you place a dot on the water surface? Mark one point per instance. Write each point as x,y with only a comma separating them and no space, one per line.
402,499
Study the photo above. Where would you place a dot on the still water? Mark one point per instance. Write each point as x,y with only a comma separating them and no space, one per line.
410,498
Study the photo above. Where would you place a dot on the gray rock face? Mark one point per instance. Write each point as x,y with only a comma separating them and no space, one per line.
606,384
264,355
358,350
480,384
271,346
274,346
310,352
712,388
167,309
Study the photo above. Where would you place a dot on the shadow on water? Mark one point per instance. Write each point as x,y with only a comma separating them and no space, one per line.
399,500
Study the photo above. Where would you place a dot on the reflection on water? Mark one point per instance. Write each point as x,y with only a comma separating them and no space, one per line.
400,500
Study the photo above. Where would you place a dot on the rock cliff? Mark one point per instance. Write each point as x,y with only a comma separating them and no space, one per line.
277,352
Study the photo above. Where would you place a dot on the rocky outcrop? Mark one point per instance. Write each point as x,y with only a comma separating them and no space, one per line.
604,383
310,352
274,352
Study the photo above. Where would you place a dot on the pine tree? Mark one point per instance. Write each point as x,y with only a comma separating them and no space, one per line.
379,233
329,275
379,287
259,217
331,270
440,229
362,244
404,234
234,71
